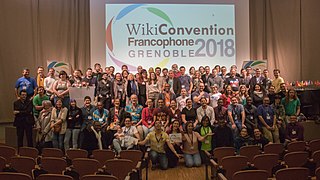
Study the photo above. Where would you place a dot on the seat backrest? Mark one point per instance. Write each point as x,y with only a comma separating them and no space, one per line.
133,155
119,167
23,164
296,159
85,166
317,173
250,151
103,155
250,174
2,163
53,165
232,164
99,177
29,152
274,148
297,173
266,162
316,157
52,152
54,177
222,152
7,152
76,153
14,176
296,146
314,145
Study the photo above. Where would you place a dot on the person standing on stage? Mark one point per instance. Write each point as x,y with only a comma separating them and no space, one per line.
24,119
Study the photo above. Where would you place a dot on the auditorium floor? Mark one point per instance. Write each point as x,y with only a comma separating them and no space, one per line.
178,173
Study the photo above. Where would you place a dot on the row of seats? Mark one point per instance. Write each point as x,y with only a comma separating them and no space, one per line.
54,161
296,155
22,176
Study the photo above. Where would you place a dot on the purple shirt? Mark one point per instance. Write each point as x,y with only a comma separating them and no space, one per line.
295,131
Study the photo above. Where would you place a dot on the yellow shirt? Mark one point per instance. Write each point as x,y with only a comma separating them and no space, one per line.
276,83
157,143
40,81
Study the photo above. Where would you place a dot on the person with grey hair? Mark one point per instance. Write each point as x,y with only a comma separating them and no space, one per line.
44,133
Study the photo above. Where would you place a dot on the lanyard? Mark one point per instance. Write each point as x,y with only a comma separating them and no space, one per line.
191,139
204,130
158,140
127,131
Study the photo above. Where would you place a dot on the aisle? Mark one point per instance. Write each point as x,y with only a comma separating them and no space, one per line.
179,173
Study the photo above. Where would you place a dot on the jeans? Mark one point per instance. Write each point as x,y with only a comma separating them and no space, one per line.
74,133
192,160
160,158
237,130
117,145
57,140
146,131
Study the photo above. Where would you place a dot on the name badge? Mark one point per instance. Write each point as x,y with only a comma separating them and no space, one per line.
89,117
268,117
294,132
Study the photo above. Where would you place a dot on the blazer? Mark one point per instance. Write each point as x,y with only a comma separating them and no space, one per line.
176,86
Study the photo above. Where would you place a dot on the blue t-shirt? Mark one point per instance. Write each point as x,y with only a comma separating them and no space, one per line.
135,112
185,82
267,114
102,118
236,111
29,84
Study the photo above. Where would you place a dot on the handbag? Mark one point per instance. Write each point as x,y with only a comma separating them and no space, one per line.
57,128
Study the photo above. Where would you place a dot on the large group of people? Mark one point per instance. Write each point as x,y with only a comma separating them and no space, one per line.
174,113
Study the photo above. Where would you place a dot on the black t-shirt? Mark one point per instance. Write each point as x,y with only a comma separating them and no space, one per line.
261,142
191,115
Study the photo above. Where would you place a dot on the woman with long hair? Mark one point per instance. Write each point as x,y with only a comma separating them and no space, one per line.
291,104
74,123
118,89
243,94
142,85
189,114
153,88
204,129
192,70
61,89
59,124
258,94
196,80
190,145
147,119
131,87
175,137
